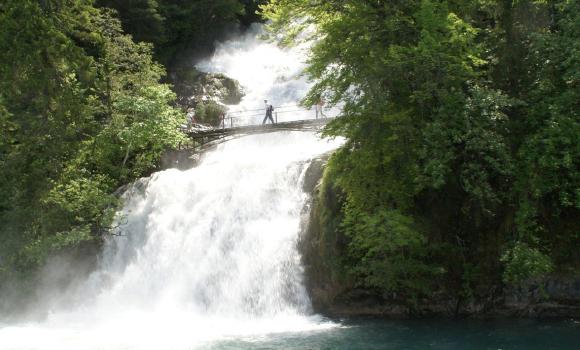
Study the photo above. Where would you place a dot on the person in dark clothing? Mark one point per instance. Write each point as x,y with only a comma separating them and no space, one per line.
269,112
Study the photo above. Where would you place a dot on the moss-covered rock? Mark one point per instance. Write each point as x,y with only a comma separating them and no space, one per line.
321,243
194,87
209,112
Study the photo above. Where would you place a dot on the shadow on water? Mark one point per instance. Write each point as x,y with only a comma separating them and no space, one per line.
372,334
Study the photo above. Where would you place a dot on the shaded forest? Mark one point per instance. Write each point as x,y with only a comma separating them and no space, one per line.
461,170
85,108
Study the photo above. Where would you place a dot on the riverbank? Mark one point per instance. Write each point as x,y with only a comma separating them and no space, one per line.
334,292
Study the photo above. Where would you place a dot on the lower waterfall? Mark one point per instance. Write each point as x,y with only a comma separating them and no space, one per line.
199,256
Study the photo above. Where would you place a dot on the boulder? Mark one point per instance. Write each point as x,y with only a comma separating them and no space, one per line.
193,87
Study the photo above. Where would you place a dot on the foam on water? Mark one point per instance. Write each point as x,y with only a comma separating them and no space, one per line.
206,254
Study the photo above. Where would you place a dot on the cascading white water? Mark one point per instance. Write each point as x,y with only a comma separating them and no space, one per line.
220,239
204,255
266,72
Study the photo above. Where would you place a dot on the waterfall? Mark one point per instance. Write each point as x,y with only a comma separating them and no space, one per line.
266,72
202,254
220,239
198,256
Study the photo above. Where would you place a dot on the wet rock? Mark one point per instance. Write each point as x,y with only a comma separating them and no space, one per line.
314,172
319,247
183,159
194,87
139,186
555,296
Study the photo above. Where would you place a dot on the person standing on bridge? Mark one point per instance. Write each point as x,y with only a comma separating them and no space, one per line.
269,112
320,107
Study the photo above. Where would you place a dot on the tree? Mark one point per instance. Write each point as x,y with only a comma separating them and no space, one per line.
141,18
460,139
83,113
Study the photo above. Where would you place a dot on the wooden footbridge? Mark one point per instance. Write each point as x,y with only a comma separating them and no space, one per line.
205,136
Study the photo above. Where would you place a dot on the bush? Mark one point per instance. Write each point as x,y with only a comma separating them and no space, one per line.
209,113
523,262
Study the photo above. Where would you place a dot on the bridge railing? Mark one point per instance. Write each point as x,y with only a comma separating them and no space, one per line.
231,119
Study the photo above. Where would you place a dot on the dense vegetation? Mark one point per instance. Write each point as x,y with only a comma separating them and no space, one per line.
83,112
182,28
461,118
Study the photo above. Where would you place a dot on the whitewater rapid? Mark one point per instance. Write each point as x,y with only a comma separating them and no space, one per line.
266,72
203,255
206,254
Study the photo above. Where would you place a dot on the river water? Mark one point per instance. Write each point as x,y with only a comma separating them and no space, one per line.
207,258
419,335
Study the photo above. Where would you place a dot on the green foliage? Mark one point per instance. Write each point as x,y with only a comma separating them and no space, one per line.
458,115
467,142
141,18
198,21
210,112
82,113
37,251
523,263
175,26
551,153
388,251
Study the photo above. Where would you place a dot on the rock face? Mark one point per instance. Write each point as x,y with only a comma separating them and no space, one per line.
193,87
553,297
319,244
333,292
183,159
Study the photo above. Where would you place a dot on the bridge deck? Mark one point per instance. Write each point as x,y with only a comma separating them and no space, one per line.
297,125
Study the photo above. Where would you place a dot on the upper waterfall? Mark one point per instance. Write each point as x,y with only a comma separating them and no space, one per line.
266,72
